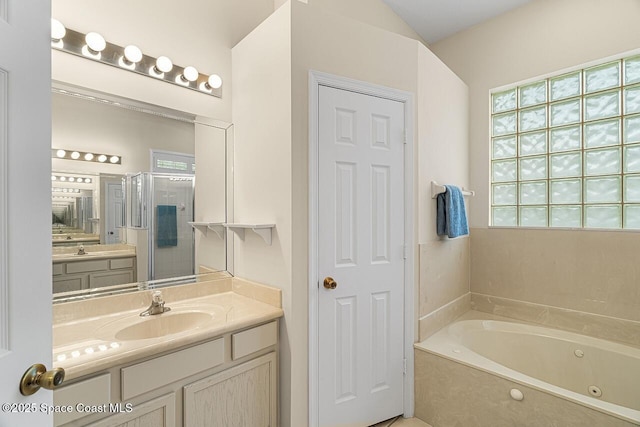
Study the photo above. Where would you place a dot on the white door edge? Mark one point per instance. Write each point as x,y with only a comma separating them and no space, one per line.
317,79
4,227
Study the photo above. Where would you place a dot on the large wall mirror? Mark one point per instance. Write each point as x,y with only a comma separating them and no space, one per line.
128,217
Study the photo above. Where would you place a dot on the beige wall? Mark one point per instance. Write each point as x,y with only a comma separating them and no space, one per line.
372,12
539,38
195,32
443,130
351,49
262,183
589,271
270,109
210,195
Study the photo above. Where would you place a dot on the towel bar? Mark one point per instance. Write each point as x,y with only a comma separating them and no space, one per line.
438,188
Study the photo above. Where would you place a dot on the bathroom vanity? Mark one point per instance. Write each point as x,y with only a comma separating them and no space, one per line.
210,361
98,266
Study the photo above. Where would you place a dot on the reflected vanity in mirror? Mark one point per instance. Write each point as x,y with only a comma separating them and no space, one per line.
125,225
72,207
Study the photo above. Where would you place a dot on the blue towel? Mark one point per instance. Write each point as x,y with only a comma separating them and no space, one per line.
451,219
167,231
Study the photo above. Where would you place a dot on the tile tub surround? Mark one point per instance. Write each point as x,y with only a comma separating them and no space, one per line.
583,270
444,283
450,394
598,326
83,324
402,422
433,322
444,272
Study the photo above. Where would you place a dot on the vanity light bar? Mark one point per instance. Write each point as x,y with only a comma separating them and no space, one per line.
65,190
72,179
58,153
93,46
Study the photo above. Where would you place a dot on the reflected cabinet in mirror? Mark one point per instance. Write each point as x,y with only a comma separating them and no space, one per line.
126,192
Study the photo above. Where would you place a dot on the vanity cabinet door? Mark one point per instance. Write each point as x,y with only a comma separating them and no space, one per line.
160,412
242,396
70,283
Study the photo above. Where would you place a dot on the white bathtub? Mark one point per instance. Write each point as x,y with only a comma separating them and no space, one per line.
595,373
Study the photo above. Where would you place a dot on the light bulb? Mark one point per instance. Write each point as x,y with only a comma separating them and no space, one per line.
54,178
163,65
72,179
214,81
133,54
75,155
114,159
87,180
63,178
190,74
88,157
61,153
58,31
95,42
102,158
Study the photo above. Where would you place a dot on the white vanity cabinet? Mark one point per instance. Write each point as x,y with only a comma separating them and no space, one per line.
253,387
228,381
160,412
93,273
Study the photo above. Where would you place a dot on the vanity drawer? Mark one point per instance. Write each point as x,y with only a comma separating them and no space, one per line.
94,391
110,278
146,376
249,341
84,266
117,263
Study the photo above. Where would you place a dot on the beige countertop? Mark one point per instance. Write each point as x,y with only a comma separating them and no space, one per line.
92,252
63,238
88,256
87,335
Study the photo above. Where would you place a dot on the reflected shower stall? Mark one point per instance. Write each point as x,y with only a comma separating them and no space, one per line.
160,209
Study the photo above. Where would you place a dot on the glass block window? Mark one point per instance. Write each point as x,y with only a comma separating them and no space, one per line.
565,150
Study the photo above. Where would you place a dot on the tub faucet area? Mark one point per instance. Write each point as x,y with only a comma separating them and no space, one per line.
157,305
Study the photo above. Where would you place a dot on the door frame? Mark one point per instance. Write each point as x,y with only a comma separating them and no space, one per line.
317,79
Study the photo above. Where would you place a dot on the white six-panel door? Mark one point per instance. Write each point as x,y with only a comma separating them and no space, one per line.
25,206
360,246
113,213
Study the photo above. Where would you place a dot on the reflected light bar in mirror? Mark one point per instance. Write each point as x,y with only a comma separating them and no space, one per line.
75,179
86,157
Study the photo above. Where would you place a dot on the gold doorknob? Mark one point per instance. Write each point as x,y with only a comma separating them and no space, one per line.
329,283
37,376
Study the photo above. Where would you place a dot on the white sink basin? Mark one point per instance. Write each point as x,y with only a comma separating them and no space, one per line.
164,324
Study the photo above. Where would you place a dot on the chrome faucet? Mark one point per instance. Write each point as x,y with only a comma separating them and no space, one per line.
81,250
157,305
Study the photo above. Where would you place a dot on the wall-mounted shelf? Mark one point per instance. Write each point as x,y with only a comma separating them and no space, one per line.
204,227
262,230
